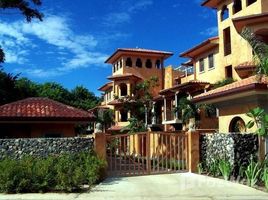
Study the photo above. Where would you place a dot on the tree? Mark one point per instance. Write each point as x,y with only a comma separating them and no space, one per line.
258,115
7,87
260,119
83,98
54,91
26,9
26,88
260,50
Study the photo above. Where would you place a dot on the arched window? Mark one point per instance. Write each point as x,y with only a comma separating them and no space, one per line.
224,13
237,125
237,6
129,62
114,69
120,64
123,89
139,63
123,115
148,63
158,64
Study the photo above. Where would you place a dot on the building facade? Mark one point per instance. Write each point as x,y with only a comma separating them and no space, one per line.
226,56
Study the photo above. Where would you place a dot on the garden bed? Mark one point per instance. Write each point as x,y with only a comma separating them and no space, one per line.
62,173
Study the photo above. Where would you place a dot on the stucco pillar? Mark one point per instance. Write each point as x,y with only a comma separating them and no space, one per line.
154,114
193,150
129,89
146,115
176,105
100,145
165,109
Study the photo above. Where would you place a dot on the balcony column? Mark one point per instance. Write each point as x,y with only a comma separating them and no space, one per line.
176,105
146,115
153,114
129,89
165,109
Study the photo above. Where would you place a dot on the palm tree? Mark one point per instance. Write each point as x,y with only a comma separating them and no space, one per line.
260,50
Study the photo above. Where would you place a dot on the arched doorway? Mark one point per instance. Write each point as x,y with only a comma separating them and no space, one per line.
237,125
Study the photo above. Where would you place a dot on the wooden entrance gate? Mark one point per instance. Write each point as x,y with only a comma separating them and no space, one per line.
146,153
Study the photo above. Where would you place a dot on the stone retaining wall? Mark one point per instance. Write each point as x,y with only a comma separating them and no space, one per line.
17,148
237,148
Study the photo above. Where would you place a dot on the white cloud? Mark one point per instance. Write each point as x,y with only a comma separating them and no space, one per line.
79,50
126,10
212,31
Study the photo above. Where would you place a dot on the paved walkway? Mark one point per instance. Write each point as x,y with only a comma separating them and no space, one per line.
160,187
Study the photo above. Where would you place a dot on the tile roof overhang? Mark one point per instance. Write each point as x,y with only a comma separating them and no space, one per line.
255,19
188,63
116,128
137,51
190,87
253,83
126,76
245,69
42,110
106,87
211,3
99,108
201,48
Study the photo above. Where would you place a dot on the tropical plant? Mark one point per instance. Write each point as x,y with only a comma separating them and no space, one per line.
188,108
225,169
213,168
265,178
260,119
259,48
200,168
253,172
223,82
134,126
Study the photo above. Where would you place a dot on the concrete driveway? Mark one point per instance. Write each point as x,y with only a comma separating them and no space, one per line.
159,187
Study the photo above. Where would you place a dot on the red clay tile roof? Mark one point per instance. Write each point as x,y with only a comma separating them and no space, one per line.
247,21
123,76
246,65
185,86
233,88
211,3
139,50
106,86
115,128
42,109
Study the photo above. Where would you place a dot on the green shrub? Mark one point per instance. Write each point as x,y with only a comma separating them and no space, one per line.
265,178
213,168
225,169
253,172
200,168
54,173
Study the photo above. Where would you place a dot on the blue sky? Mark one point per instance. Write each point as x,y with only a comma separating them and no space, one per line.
72,43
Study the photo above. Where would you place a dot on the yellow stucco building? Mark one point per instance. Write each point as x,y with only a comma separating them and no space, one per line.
225,56
234,58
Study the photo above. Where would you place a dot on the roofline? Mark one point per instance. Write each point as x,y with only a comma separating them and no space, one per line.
128,50
249,17
123,77
204,3
106,84
204,43
47,119
253,86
